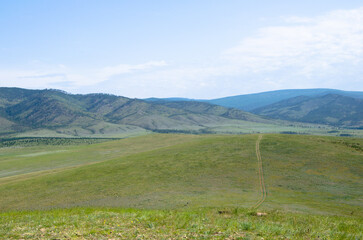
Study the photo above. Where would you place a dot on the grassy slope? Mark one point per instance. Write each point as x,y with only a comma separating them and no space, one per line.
14,162
304,173
5,125
318,175
167,177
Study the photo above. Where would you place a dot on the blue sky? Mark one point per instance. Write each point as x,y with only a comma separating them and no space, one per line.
195,49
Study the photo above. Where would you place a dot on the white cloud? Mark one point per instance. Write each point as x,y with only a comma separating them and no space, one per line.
309,46
324,51
127,68
45,76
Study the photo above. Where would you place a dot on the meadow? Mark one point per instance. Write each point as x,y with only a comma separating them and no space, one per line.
162,186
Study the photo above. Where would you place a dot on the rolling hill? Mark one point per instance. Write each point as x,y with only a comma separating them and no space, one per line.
250,102
64,113
183,186
319,106
168,170
206,108
50,113
331,109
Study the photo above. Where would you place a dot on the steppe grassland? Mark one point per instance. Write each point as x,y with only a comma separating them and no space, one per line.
187,179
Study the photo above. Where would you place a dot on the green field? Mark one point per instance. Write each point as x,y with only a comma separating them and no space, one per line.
175,184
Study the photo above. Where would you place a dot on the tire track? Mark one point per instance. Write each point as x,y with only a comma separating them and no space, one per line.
260,173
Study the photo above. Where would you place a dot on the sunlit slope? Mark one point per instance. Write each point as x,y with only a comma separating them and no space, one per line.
304,173
190,173
311,173
59,154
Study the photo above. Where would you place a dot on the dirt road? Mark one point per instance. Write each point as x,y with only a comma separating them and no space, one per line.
260,173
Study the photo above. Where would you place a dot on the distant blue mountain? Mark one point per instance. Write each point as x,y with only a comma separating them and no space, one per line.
250,102
330,109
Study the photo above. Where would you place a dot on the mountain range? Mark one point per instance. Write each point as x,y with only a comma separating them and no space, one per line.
330,109
75,114
23,109
250,102
321,106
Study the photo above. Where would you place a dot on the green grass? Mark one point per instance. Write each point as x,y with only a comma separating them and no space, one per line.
19,160
237,223
302,173
321,173
176,183
245,127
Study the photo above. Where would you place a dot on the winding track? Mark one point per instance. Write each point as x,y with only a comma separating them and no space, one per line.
260,173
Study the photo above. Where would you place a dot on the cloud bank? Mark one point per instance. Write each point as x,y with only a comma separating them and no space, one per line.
311,45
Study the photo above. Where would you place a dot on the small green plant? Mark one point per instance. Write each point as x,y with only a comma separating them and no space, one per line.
245,226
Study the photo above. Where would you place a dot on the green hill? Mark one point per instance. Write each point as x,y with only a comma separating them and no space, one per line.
194,186
170,171
80,115
54,113
331,109
46,110
206,108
